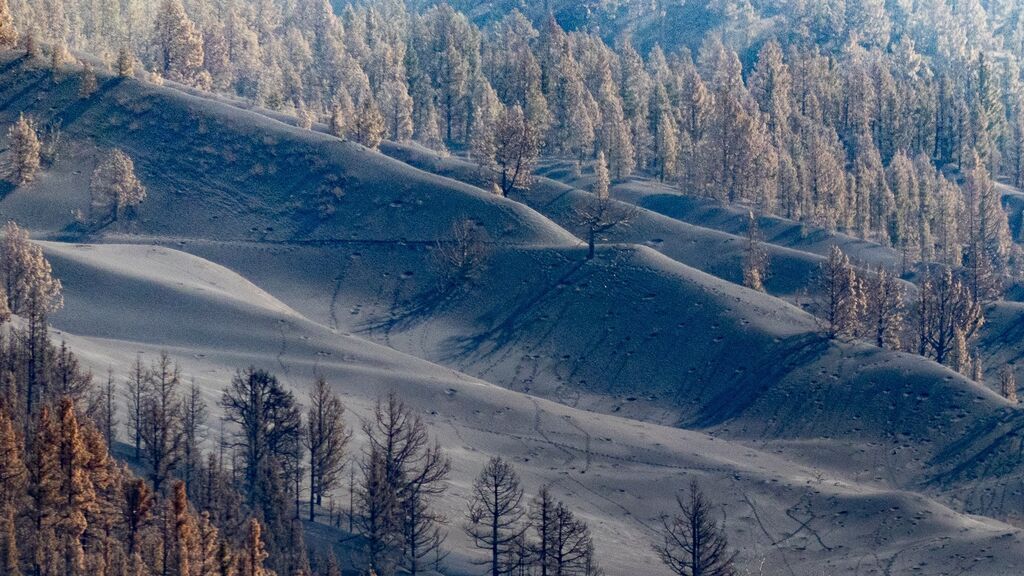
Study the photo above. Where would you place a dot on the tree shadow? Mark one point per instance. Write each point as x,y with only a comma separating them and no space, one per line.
508,323
6,188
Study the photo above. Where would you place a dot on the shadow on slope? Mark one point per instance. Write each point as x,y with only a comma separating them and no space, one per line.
617,474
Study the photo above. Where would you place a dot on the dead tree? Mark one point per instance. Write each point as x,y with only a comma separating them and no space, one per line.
462,255
693,544
496,513
601,215
326,439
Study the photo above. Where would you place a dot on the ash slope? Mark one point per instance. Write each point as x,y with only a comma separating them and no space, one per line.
618,473
632,332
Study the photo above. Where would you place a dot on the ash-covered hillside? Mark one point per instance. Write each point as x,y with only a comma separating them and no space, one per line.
469,289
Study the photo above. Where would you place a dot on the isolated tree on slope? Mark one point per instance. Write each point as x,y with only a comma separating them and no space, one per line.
24,152
114,187
693,542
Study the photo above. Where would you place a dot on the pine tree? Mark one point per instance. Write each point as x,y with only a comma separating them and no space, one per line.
840,289
402,473
518,147
87,81
161,422
693,542
977,368
948,319
326,439
8,34
31,45
13,476
377,510
1008,384
959,356
125,63
208,545
267,435
602,181
615,137
193,429
24,151
496,513
77,495
137,505
58,56
572,128
177,43
10,558
336,123
1014,160
398,107
369,127
667,147
12,468
114,188
183,541
542,521
33,293
45,483
252,558
135,393
988,236
483,130
771,86
755,259
885,310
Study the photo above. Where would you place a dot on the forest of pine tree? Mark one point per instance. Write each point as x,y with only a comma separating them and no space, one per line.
885,123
